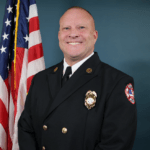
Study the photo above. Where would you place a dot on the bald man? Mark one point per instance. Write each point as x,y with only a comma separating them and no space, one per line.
80,103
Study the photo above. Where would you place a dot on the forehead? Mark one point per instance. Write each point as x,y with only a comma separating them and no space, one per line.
75,15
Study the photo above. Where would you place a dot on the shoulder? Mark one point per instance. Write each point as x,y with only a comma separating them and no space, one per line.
42,74
117,84
112,78
48,70
112,73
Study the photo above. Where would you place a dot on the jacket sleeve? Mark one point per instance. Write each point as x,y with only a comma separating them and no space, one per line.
26,136
120,119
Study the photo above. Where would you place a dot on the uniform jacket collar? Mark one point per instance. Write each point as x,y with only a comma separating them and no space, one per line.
78,79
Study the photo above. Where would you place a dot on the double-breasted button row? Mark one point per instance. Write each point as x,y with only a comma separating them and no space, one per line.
64,129
45,127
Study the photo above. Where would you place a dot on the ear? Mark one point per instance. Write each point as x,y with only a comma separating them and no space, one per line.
58,34
95,35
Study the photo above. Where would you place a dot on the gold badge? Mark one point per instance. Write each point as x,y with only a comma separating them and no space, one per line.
88,70
90,99
55,69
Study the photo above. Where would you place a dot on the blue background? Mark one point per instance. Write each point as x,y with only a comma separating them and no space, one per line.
123,42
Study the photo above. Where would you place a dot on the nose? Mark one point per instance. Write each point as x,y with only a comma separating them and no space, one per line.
73,34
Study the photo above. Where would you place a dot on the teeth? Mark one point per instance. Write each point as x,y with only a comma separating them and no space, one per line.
73,43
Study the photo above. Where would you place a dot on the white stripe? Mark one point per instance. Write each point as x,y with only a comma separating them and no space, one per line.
34,38
35,66
3,138
21,98
33,11
3,93
11,117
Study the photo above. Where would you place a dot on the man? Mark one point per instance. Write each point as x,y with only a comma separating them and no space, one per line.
88,106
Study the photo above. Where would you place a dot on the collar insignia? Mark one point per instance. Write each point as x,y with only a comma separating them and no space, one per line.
55,69
88,70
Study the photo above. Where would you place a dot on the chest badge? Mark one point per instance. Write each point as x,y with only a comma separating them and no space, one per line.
90,99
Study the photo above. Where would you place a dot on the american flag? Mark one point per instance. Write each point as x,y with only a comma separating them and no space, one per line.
21,57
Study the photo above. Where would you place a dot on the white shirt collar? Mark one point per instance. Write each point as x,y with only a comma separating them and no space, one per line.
75,66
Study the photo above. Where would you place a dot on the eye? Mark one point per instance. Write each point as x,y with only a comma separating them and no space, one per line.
82,27
66,28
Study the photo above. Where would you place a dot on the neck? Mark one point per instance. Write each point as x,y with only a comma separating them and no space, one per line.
71,61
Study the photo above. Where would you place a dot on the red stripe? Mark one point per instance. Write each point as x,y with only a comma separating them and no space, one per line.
35,52
19,62
3,116
12,82
9,143
29,80
4,122
6,83
34,24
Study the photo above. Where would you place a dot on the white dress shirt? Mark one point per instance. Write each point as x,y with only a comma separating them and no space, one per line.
75,66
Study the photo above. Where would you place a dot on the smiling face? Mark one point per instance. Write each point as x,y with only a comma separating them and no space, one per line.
77,35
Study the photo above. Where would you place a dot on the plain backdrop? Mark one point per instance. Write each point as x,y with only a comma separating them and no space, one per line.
123,42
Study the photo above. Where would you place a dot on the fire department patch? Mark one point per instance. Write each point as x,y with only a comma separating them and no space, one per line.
129,91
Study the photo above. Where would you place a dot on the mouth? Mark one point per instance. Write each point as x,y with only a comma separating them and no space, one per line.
74,43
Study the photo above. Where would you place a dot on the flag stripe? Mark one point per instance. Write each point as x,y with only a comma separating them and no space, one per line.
6,83
35,21
4,93
12,90
35,66
9,144
33,11
34,38
35,52
19,63
21,97
3,138
4,114
11,117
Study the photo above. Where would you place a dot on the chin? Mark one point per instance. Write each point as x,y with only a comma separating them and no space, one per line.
75,54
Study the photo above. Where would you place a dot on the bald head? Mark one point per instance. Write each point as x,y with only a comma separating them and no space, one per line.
80,11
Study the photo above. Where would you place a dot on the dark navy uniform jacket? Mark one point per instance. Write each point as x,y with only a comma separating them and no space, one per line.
109,125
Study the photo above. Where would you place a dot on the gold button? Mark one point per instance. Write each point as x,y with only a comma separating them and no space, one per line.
55,69
64,130
43,148
45,127
88,70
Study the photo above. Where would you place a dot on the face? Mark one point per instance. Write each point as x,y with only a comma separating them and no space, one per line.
77,34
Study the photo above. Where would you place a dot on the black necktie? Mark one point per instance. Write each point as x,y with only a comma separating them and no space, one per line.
66,75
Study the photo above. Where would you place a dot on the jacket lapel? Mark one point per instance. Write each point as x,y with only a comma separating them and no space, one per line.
54,79
78,79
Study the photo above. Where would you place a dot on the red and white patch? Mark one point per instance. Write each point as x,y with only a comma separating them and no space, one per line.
129,91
